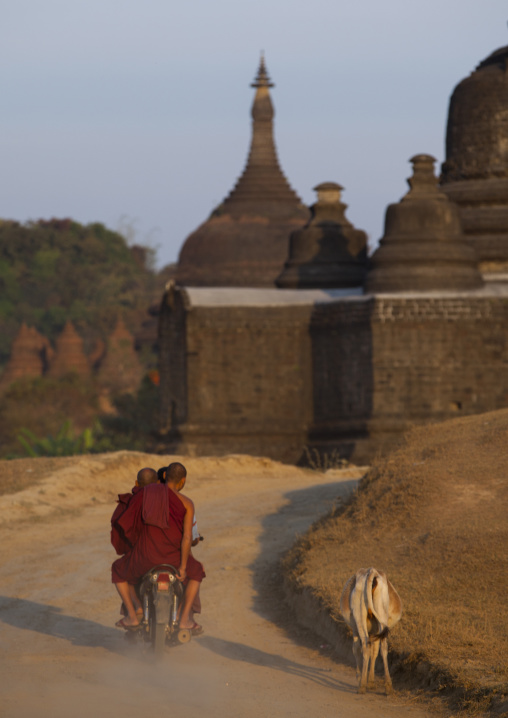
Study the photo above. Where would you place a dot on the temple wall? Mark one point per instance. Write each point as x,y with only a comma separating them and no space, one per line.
422,359
439,356
346,378
245,384
342,360
173,361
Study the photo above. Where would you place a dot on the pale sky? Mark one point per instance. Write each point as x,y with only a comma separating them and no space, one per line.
137,114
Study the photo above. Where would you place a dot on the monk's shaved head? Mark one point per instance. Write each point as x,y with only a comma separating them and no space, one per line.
175,473
147,476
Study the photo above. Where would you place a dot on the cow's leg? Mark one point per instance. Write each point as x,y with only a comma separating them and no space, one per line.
365,667
384,654
357,651
374,650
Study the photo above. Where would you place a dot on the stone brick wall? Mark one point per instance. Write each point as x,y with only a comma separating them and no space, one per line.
402,361
342,367
242,382
345,377
173,361
437,357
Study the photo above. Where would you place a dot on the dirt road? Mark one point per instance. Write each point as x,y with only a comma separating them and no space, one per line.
61,655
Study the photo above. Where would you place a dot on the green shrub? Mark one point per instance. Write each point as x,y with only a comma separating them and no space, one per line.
55,270
65,443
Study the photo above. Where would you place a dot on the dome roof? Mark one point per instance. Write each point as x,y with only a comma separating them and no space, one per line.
475,173
477,130
245,240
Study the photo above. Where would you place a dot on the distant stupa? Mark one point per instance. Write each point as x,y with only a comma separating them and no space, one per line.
245,241
120,370
29,353
69,355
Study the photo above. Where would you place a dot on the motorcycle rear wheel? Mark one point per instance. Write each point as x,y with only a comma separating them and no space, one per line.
159,638
157,635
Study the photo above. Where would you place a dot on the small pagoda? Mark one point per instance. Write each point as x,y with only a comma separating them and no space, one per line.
120,370
29,356
423,247
328,253
69,355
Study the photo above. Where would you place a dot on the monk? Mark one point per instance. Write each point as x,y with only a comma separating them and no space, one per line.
158,523
120,544
196,536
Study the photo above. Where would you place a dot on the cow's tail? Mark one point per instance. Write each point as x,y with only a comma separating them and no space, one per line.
375,583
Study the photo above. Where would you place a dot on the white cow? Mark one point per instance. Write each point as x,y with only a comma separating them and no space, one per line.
371,606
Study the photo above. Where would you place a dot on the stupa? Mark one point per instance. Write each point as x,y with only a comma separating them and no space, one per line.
120,370
327,253
423,247
29,354
475,173
69,354
245,240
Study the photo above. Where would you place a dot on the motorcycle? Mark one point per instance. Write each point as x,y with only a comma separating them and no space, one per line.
161,594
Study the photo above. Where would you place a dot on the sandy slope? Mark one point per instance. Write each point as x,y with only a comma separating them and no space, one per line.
61,654
433,515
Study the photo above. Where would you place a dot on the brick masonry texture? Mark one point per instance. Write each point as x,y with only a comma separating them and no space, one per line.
347,377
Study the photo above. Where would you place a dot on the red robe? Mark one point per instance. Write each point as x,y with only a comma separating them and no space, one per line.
153,544
118,539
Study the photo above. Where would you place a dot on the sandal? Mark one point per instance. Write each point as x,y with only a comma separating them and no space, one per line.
121,624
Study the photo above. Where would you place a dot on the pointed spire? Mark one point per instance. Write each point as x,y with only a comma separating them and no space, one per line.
262,78
262,180
245,240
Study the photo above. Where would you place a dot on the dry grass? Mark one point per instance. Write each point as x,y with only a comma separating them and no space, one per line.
434,516
19,474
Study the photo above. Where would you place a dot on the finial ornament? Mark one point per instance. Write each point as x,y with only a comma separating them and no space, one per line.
262,78
423,182
423,248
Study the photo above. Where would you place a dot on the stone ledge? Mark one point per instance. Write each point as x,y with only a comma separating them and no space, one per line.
311,614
